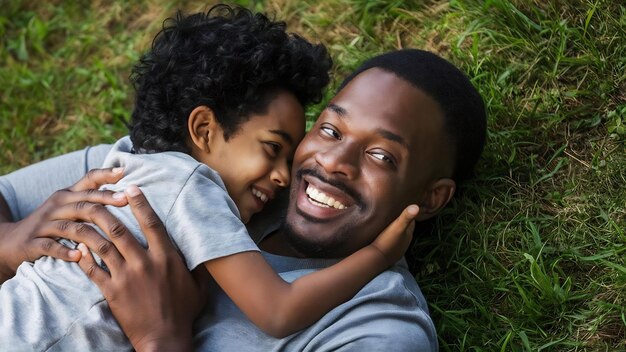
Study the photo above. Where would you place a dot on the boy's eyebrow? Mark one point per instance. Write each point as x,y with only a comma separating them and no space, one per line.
284,135
342,113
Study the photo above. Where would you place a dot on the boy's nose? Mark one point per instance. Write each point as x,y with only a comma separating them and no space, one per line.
281,174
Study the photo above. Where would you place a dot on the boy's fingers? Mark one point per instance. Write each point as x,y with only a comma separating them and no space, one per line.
405,221
151,226
411,227
98,177
409,214
93,271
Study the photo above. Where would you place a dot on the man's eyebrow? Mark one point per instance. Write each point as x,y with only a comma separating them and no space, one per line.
392,137
337,110
284,135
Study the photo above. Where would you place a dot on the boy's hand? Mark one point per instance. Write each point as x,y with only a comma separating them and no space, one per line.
394,241
34,236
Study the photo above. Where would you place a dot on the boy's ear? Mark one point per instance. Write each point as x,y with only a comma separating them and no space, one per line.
436,197
202,126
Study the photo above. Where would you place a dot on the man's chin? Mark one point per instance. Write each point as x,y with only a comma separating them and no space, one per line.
311,247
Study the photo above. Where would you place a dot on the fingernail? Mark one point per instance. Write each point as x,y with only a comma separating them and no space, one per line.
82,248
413,209
118,170
133,191
119,195
75,253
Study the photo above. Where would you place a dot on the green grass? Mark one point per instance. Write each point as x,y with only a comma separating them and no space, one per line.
530,256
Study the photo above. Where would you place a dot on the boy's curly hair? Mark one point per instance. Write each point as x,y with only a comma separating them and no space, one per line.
228,59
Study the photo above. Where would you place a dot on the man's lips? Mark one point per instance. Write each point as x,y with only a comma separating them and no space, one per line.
321,197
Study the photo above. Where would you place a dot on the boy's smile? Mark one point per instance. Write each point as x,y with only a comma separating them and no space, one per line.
255,160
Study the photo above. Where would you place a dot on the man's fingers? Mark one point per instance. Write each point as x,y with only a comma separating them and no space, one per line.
98,177
52,248
84,233
151,226
89,266
62,197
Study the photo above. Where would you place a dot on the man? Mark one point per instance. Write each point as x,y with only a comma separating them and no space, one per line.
403,129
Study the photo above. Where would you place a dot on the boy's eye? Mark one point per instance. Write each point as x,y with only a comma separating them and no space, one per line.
272,148
330,131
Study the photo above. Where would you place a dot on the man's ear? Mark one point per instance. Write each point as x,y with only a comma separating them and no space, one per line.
202,126
436,197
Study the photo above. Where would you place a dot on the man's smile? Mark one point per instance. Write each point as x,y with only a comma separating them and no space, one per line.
320,198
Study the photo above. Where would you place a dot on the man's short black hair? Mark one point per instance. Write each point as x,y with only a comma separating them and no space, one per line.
229,59
463,108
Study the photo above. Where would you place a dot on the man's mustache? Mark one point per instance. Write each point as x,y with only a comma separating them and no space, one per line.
333,182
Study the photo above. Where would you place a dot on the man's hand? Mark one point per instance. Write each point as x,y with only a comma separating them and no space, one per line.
32,237
150,291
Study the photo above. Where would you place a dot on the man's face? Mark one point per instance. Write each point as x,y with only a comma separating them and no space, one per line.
374,150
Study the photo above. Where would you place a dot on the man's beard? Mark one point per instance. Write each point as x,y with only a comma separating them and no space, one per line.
333,247
337,245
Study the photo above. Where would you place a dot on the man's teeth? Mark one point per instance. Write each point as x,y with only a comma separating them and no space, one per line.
259,195
322,199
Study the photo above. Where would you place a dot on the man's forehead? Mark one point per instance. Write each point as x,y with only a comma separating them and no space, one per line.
389,102
382,132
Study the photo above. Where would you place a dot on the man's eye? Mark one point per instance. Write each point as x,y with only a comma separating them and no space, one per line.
383,157
330,132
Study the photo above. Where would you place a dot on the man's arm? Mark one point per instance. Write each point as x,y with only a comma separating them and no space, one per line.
33,236
170,298
22,192
5,212
27,188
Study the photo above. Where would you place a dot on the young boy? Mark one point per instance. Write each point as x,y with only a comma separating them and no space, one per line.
218,115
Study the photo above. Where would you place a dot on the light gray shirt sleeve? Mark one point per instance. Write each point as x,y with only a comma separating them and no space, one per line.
204,221
25,189
188,196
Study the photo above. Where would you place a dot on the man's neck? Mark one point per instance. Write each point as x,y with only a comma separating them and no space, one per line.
275,243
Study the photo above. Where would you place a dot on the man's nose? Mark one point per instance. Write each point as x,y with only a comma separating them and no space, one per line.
281,174
340,159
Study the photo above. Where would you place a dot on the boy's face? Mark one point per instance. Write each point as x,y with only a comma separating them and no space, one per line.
256,159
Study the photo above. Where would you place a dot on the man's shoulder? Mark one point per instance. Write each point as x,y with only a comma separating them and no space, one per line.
394,283
388,311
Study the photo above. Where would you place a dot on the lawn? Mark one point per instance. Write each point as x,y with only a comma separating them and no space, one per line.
530,256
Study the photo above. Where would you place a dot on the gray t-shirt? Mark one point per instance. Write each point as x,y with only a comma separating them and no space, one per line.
200,217
388,314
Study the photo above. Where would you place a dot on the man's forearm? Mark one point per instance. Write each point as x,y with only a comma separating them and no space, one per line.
5,217
5,212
